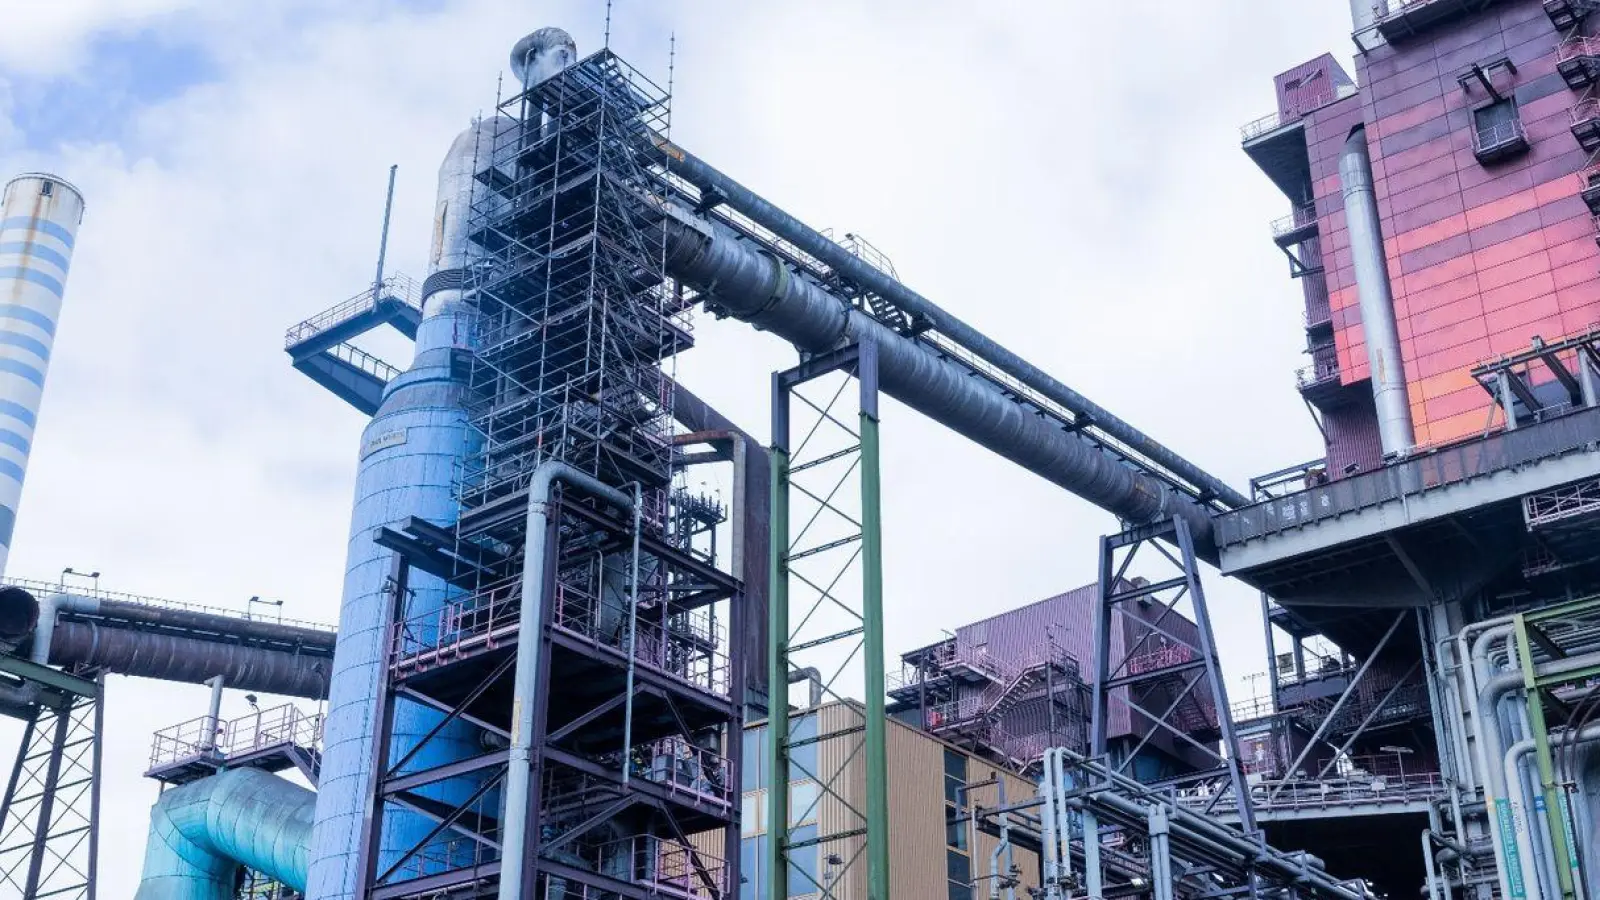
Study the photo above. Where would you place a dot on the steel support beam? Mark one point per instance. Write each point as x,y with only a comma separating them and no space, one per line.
810,482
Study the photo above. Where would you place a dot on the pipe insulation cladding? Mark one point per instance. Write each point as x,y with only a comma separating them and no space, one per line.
39,218
202,833
762,291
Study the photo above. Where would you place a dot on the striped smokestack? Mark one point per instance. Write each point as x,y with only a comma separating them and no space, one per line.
39,216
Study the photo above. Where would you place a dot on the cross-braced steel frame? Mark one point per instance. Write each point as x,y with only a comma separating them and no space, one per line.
826,613
50,816
633,757
1163,674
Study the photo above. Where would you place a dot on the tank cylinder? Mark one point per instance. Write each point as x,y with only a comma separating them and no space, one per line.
39,217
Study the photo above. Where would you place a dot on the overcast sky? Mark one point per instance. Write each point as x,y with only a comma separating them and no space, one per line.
1064,175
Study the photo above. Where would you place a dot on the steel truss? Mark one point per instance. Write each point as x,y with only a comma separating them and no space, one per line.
829,571
633,768
50,816
1163,673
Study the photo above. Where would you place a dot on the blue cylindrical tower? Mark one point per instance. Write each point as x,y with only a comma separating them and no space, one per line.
410,456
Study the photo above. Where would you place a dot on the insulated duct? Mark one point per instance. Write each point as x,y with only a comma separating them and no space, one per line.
202,833
713,183
1377,302
145,641
39,218
762,291
167,657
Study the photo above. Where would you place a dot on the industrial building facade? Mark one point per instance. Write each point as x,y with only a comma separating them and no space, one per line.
1478,127
936,851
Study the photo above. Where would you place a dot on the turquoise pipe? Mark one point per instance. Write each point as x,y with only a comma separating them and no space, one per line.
202,834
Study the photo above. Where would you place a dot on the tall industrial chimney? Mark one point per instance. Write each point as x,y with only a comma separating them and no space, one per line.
39,217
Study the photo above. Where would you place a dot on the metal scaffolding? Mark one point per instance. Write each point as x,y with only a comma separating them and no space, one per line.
628,743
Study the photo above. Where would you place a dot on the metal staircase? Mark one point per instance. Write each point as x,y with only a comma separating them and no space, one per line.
321,345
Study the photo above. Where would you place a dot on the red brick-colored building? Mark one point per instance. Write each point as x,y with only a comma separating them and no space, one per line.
1480,120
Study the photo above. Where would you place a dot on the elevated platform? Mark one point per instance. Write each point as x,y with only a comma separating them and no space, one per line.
320,346
1447,521
1408,18
273,740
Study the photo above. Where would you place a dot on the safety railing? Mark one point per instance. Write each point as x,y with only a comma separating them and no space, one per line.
1585,110
1252,708
360,359
1428,471
1577,46
654,866
1160,658
400,287
1356,789
1273,121
222,738
684,645
44,588
1303,215
684,768
1499,137
1322,369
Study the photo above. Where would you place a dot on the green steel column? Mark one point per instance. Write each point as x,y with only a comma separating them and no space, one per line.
777,780
1553,806
872,621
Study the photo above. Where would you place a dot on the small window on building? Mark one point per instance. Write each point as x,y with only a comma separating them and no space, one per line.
1497,131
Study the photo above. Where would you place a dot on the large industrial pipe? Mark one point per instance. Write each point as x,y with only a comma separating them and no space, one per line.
525,695
1377,301
143,641
762,291
713,183
203,833
169,657
39,218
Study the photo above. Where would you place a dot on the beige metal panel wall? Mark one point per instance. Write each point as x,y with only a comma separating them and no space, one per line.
917,864
835,756
917,849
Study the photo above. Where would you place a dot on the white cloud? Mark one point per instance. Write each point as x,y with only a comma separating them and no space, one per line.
51,37
1068,180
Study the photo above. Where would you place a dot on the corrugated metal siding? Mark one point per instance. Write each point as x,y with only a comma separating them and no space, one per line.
918,864
1353,435
917,814
1021,637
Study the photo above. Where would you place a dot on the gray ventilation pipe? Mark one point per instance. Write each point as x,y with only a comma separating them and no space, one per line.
525,696
715,184
762,291
812,676
1377,303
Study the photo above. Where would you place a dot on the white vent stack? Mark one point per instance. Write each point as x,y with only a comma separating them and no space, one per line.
39,216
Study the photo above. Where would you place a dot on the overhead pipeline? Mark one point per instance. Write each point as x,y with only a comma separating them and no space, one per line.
764,292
